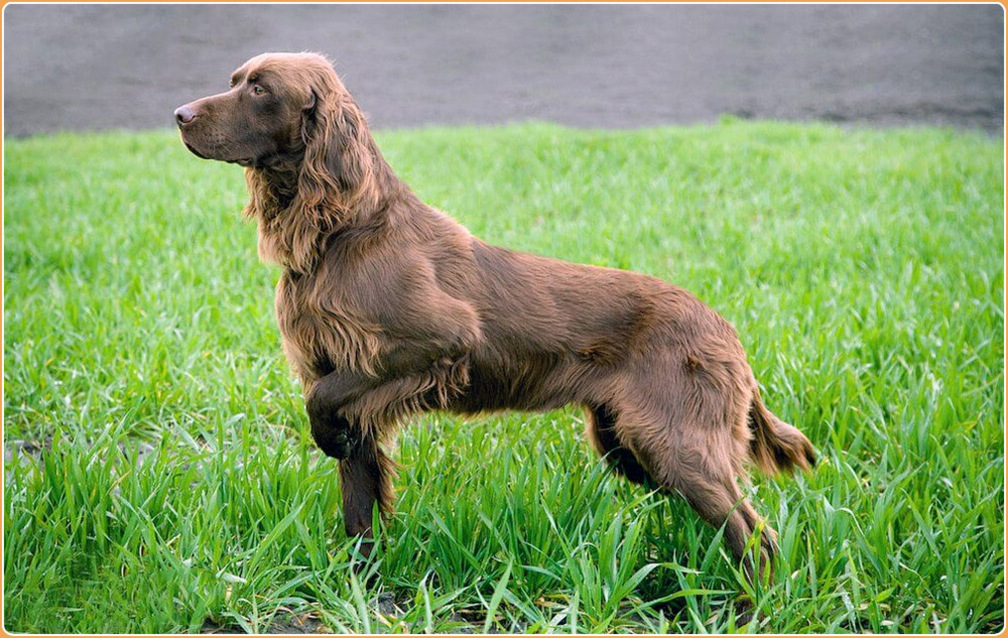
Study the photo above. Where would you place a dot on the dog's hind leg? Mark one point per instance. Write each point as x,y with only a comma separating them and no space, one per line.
366,478
702,463
707,480
717,499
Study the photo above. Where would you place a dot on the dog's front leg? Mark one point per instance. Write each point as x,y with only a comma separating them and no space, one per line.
366,473
332,430
366,476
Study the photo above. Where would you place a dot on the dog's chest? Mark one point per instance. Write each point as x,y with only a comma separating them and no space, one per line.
321,331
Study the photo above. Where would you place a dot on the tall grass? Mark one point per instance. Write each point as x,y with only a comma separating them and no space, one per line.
160,475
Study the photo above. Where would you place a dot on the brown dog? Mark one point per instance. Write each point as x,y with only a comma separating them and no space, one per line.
388,307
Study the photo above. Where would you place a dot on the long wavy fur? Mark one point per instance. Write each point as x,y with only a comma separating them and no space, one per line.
335,183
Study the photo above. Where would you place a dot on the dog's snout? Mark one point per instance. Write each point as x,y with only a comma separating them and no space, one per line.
184,115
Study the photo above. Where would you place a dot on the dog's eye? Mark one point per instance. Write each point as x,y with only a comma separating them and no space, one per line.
257,89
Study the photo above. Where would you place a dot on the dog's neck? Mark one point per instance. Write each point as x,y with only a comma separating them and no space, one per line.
280,179
293,235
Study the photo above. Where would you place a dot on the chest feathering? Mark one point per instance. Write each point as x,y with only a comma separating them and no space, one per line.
321,332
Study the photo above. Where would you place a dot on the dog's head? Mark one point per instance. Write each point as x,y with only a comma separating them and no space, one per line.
282,108
304,142
264,114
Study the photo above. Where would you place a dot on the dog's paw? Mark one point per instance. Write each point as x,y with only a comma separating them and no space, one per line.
343,443
334,435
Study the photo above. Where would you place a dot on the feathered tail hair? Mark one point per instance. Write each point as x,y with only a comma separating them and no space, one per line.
776,446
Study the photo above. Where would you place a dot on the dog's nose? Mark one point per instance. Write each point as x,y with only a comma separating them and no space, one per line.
184,115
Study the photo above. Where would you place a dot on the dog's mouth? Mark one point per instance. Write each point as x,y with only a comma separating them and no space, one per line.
192,149
247,162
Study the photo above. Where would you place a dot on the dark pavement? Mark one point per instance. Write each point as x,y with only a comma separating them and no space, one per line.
87,67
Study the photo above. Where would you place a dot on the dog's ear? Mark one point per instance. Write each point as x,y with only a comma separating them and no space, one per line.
337,173
308,116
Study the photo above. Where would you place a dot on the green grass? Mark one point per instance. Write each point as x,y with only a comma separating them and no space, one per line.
177,485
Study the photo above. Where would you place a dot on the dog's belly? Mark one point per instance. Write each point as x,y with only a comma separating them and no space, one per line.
536,385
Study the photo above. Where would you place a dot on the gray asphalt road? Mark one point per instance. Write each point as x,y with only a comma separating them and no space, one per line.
111,66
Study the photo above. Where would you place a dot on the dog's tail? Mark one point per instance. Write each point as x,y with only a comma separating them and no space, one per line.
776,446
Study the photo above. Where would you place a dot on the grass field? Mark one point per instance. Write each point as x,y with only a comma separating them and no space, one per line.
160,475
